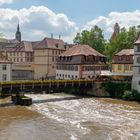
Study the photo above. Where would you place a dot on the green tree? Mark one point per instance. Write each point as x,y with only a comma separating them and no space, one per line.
124,40
93,38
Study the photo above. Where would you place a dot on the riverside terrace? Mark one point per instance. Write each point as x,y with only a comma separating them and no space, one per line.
49,86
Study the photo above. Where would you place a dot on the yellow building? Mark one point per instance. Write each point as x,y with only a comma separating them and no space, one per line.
122,64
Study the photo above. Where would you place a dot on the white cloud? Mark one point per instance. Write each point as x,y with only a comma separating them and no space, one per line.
36,23
5,1
125,19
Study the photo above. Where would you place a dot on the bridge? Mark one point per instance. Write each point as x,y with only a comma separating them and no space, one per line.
49,86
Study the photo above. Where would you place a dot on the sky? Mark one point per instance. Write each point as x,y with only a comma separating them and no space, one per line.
41,18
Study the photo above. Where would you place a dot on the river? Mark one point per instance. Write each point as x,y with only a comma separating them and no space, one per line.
68,117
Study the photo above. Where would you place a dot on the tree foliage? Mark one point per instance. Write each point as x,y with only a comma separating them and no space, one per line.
124,40
93,38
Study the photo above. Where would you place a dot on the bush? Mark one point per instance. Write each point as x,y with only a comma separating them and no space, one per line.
131,95
128,95
116,90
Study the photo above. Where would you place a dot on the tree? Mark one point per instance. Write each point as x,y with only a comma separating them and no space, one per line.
124,40
93,38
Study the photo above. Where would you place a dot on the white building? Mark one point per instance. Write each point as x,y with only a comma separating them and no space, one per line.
136,66
5,69
80,62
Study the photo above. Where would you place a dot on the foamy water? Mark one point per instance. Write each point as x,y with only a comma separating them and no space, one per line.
91,118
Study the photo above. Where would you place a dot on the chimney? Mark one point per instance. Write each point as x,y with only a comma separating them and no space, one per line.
52,35
59,37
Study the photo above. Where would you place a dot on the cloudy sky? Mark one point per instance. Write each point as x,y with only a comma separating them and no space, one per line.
40,18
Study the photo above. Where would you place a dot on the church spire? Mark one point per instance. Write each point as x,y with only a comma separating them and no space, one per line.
18,34
116,30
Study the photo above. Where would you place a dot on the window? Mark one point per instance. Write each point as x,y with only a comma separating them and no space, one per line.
86,58
52,51
127,58
76,68
127,67
119,67
52,59
138,60
120,58
4,67
4,77
131,68
138,48
56,45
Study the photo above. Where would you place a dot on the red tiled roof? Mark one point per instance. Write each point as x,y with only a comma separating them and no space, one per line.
26,46
138,40
51,43
126,52
23,46
81,50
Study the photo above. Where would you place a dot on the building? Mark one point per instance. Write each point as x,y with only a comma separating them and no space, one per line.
80,62
5,69
45,55
21,54
116,31
136,66
32,60
122,64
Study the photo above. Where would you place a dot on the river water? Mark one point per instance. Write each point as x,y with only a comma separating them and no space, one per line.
68,117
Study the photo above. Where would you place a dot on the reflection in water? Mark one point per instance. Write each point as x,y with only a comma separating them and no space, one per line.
62,116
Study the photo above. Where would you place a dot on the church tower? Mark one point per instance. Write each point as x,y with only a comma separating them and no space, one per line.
136,65
18,34
116,30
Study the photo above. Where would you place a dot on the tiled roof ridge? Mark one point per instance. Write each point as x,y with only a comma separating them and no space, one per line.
81,50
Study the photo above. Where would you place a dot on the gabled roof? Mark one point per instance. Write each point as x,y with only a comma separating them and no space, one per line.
22,46
51,43
126,52
137,40
9,41
26,46
81,50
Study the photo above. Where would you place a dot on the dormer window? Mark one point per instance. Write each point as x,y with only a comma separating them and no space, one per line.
86,58
56,45
120,58
127,58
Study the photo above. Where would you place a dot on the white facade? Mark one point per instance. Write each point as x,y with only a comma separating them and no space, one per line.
136,69
67,74
76,74
5,72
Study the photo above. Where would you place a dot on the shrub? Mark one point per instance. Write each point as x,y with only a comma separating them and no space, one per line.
128,95
131,95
